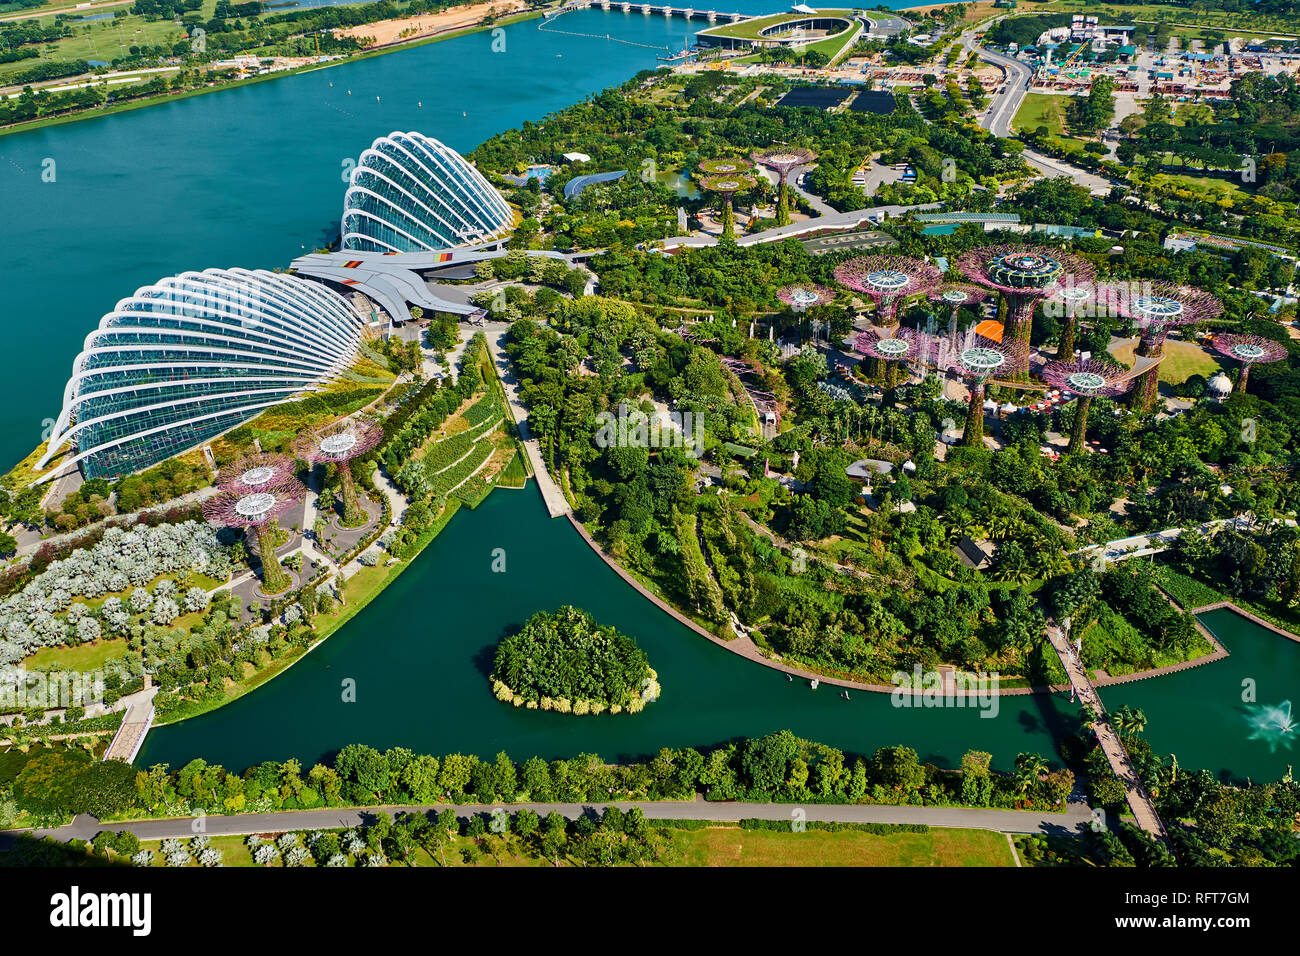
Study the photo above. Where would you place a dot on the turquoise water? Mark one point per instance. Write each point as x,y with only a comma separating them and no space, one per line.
252,177
1208,716
420,654
247,177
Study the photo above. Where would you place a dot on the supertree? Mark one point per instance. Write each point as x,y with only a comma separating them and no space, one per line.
886,279
1086,380
1155,311
978,359
782,159
1023,275
893,349
1072,299
805,296
955,295
257,512
1248,350
339,444
727,177
253,472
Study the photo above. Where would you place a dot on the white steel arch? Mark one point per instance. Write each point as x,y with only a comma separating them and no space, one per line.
179,360
406,180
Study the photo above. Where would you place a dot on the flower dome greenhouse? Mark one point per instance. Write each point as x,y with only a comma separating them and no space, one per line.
190,357
410,193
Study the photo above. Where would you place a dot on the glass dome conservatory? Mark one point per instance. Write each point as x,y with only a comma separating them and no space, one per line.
192,356
410,193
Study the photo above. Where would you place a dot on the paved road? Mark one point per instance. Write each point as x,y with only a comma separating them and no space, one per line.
887,26
1076,817
1000,116
70,10
1003,105
815,202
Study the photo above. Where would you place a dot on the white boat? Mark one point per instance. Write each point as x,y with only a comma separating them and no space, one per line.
814,683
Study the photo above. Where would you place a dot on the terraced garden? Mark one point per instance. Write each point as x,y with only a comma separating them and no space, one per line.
477,447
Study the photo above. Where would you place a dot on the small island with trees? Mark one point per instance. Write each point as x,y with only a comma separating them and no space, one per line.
566,662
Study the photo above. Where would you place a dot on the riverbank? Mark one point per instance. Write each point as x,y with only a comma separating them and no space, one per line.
47,121
360,589
745,647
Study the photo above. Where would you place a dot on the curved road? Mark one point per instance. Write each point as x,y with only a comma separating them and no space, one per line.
1004,104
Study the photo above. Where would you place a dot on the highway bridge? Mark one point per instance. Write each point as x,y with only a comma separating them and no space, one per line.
689,13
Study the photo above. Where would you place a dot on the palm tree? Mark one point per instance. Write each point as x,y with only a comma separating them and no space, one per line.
1002,525
1030,768
1087,719
1128,720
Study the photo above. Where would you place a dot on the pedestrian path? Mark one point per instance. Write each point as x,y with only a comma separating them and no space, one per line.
1144,809
556,504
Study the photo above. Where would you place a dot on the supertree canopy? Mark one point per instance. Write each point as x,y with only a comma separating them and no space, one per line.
892,349
724,167
254,472
782,159
257,511
1157,309
1023,274
338,444
1248,350
957,295
886,279
978,359
727,177
1086,379
806,296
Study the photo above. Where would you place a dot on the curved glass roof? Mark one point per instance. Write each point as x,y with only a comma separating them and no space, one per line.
410,193
192,356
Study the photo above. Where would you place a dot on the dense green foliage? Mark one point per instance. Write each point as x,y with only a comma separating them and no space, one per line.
567,656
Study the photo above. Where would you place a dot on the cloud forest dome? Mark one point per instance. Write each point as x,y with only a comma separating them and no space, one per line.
192,356
411,193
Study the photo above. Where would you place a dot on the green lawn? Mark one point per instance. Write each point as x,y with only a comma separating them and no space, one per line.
103,39
515,473
732,846
749,29
1182,361
1042,109
83,657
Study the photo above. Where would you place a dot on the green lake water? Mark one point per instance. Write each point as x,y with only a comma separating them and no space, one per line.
253,177
1204,715
420,654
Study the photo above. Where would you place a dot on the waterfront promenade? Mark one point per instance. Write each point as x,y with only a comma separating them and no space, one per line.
556,504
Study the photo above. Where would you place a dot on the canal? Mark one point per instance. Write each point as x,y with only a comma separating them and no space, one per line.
421,652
